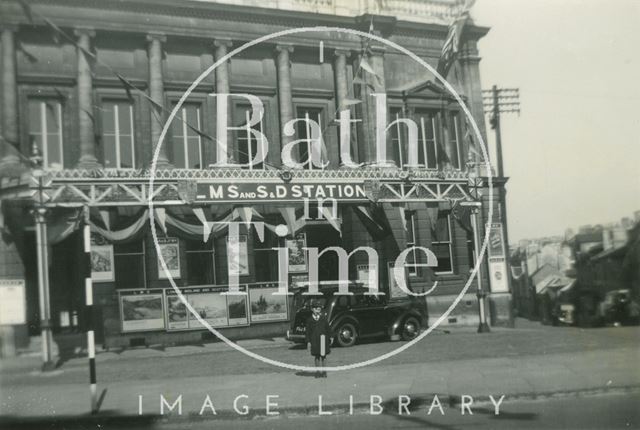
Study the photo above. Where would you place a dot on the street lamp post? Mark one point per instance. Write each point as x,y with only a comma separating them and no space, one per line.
40,215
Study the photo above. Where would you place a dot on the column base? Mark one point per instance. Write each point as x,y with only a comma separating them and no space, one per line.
89,163
48,366
483,328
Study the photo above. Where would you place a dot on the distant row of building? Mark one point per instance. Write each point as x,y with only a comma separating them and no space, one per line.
572,278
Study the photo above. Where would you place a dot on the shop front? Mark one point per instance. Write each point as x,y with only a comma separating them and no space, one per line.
246,231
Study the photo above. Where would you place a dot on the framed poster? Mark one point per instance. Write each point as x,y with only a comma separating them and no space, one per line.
265,306
297,254
102,260
496,248
170,250
13,303
177,312
299,281
367,274
394,290
238,308
211,306
141,310
237,255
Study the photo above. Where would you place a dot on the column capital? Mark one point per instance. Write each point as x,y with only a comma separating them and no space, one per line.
342,52
160,37
281,47
222,41
84,31
377,49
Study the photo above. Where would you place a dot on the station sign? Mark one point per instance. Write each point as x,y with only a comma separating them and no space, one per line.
278,192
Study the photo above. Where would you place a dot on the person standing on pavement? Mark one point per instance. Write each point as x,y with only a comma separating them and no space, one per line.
319,336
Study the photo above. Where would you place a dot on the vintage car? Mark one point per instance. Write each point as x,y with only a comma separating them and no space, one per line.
360,316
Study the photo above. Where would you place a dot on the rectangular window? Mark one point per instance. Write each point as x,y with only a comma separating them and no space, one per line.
45,130
130,265
246,143
427,123
265,258
441,244
455,140
304,132
117,134
187,143
412,240
397,138
200,262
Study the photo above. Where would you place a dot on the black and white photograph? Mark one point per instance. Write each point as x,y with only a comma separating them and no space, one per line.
170,252
141,310
387,214
297,254
265,305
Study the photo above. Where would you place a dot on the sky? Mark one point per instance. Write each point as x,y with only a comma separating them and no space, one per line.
573,153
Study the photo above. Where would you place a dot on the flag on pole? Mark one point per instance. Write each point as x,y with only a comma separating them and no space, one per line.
451,45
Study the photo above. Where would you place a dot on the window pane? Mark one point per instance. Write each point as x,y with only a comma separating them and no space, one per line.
441,232
193,147
200,268
35,124
454,142
124,119
51,112
129,271
53,149
109,148
108,123
441,250
126,154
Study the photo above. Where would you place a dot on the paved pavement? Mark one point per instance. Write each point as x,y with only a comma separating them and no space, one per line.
523,362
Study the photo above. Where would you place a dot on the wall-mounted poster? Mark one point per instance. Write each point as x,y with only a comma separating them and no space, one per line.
496,248
101,259
177,312
297,254
238,308
237,255
13,305
392,272
210,305
367,274
299,281
265,306
141,310
170,250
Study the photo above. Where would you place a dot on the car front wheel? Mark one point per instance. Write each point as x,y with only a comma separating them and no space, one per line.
346,334
410,328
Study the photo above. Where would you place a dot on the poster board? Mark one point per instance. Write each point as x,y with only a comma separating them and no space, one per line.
217,309
264,306
395,291
170,250
102,259
238,255
497,260
13,304
297,254
141,309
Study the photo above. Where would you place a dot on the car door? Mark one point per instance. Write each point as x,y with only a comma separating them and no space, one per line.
369,310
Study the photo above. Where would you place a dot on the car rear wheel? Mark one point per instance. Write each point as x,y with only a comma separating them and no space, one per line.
346,334
410,328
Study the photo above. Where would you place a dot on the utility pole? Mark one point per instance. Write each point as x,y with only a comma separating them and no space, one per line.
497,101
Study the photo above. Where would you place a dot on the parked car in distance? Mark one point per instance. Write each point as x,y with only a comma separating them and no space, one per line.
360,316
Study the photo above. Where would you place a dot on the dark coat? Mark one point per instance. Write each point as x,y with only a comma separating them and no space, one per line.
315,329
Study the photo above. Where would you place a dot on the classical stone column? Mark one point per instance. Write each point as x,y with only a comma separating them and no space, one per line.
342,95
285,97
223,86
156,92
372,83
9,98
88,158
470,66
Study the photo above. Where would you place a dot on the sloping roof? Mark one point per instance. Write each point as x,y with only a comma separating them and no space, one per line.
616,251
553,281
